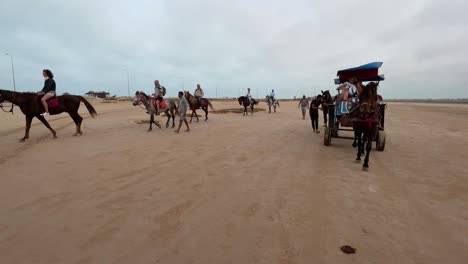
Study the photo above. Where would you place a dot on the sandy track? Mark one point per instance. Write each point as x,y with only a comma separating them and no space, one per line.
257,189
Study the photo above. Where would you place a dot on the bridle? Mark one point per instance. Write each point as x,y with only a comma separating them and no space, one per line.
138,101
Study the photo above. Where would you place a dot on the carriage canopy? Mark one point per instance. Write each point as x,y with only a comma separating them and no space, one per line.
365,73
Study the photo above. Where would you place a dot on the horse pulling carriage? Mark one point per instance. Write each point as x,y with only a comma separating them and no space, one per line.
348,115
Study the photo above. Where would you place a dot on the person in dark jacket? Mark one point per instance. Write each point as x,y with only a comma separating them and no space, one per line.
48,91
314,115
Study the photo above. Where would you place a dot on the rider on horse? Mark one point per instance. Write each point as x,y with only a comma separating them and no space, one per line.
249,96
48,91
272,95
199,95
159,92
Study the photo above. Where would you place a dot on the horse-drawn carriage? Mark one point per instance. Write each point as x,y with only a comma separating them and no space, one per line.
338,110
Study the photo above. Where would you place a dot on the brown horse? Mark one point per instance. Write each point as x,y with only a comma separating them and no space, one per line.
194,105
31,106
365,119
244,100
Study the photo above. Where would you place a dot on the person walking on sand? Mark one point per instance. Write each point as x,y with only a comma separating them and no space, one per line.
48,91
304,105
183,106
314,115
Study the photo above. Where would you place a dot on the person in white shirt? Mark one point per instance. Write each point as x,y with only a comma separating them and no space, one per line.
249,96
272,94
199,95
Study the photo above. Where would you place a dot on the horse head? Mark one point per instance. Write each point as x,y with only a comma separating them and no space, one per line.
327,98
240,99
140,98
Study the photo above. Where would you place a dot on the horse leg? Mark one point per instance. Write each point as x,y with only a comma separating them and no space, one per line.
173,118
355,136
77,119
206,113
28,126
325,121
44,121
368,149
191,117
151,122
252,107
168,118
360,147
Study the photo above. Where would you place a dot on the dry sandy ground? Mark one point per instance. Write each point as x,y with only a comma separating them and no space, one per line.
256,189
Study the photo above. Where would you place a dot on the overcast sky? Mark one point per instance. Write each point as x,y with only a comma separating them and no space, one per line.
294,46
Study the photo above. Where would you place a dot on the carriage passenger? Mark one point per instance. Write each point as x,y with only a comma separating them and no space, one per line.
350,89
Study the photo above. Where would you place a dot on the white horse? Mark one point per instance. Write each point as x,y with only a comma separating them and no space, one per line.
272,102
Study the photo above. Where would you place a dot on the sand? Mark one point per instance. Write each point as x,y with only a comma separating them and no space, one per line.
255,189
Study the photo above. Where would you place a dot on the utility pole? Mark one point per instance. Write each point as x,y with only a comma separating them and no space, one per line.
12,71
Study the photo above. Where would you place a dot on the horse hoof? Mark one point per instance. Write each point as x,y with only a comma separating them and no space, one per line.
149,130
54,137
22,140
358,159
354,145
365,166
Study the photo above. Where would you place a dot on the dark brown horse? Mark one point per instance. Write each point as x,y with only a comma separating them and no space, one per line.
244,100
150,105
194,105
327,101
365,119
31,106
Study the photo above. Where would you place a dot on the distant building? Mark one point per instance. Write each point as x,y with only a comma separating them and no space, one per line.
98,94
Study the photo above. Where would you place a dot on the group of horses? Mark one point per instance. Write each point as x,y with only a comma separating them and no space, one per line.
246,102
170,108
365,118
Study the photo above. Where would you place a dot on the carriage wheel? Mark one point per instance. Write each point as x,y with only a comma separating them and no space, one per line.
380,142
327,136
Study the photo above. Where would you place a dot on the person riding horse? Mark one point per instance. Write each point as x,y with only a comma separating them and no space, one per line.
249,96
159,92
272,95
199,95
48,91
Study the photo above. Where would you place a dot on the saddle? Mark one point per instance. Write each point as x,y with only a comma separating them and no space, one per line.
162,104
52,102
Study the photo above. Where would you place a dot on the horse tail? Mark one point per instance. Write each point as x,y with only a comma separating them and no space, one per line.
210,105
90,108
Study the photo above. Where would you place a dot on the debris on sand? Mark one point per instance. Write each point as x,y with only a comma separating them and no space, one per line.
348,249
